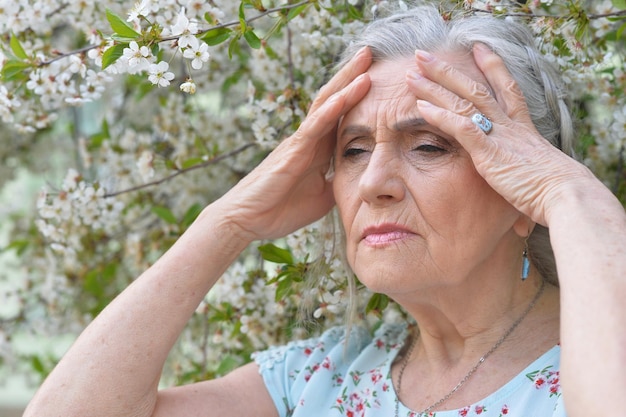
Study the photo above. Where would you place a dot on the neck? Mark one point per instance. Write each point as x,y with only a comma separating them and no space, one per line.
448,373
461,322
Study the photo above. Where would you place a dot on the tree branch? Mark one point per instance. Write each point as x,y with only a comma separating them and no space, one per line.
204,164
539,16
173,38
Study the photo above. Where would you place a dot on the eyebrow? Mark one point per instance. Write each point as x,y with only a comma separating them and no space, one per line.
409,124
356,130
403,125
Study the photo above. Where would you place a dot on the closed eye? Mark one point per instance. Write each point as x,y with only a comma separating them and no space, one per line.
428,148
353,152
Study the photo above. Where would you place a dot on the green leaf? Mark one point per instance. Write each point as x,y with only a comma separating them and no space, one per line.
97,139
619,4
113,54
296,11
242,16
210,19
216,36
14,69
227,364
252,39
19,246
122,39
92,284
191,214
377,304
120,26
270,52
232,47
273,253
109,272
165,214
37,365
354,13
188,163
17,48
283,289
620,31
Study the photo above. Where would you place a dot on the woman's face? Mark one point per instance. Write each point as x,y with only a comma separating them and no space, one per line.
415,211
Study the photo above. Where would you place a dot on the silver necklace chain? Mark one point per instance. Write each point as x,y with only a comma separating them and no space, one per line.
471,372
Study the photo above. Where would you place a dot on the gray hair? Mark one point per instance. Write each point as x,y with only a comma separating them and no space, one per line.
400,34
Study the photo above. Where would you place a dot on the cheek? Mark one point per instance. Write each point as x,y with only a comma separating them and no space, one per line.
480,209
347,201
343,199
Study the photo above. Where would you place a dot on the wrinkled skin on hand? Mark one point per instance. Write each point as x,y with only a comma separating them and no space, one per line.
288,190
513,158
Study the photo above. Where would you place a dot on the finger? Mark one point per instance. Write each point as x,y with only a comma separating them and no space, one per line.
473,95
506,89
318,126
434,93
469,136
355,67
325,118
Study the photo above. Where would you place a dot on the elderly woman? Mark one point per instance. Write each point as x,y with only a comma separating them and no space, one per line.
444,141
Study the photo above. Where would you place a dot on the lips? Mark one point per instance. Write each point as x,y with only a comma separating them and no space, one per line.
385,234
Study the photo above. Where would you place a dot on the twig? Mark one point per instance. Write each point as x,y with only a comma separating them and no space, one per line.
204,164
65,55
173,38
539,16
252,19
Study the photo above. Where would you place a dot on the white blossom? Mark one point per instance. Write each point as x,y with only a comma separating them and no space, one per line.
198,54
188,87
264,133
138,57
141,8
159,74
185,29
145,165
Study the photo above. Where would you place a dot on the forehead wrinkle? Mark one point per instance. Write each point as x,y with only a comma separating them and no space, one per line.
414,123
407,125
356,130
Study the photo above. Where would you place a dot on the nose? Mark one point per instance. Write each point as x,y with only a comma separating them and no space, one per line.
381,182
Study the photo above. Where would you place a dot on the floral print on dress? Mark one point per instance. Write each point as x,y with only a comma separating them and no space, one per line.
331,377
354,401
546,378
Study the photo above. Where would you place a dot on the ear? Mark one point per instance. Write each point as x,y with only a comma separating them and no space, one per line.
523,226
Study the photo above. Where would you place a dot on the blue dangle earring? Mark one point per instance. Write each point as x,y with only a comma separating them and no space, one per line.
525,261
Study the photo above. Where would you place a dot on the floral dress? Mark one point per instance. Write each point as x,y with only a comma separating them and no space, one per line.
328,376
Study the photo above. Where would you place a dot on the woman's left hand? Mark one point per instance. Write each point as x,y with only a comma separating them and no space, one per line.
587,223
513,158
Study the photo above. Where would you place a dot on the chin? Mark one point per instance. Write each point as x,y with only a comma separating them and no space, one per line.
383,280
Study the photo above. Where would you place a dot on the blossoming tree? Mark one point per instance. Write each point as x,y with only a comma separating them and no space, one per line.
155,110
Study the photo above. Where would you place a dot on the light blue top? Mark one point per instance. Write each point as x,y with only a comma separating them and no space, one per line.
324,377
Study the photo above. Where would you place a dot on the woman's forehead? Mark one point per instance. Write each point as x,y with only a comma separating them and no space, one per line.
389,91
392,72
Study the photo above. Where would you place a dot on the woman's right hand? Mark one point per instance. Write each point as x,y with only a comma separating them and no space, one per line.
288,190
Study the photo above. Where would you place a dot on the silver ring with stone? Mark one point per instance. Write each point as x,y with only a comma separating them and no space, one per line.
482,122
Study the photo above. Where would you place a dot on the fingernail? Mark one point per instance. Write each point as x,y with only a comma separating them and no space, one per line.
414,75
423,55
361,51
481,47
423,104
